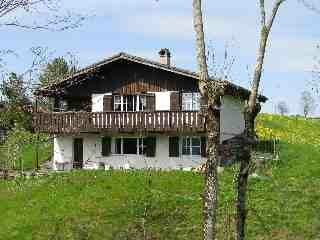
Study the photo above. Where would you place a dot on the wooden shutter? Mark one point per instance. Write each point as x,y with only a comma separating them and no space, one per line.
108,103
151,103
174,147
175,101
203,147
150,143
106,146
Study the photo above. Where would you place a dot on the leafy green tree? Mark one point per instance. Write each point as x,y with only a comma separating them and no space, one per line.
54,71
17,104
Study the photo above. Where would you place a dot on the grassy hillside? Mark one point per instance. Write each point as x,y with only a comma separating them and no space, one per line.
283,204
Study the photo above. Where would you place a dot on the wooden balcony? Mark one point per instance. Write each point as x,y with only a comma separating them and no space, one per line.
114,122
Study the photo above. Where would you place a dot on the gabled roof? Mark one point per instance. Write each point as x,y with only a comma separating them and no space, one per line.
125,56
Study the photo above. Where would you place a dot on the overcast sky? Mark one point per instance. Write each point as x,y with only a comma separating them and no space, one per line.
142,27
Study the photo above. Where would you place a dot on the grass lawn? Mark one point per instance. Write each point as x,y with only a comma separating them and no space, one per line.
284,204
29,155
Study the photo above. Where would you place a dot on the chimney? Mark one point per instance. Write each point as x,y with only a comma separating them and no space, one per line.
165,55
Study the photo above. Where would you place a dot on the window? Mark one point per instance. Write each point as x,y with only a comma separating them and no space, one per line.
191,146
117,103
106,146
191,101
129,103
142,104
118,146
130,146
60,105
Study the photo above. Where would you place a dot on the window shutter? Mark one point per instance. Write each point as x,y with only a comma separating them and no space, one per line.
175,101
106,146
203,147
108,103
174,147
151,103
150,143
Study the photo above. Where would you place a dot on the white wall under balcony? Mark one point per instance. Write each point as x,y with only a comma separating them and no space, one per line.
63,153
92,156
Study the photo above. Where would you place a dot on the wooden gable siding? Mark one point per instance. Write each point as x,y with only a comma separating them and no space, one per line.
131,78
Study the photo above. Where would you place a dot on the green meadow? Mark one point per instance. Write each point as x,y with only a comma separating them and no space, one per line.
283,202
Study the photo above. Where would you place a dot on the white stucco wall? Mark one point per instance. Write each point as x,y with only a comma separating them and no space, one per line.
63,153
97,102
92,155
232,121
162,101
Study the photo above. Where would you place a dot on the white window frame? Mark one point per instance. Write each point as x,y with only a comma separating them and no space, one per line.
116,102
124,102
191,101
190,146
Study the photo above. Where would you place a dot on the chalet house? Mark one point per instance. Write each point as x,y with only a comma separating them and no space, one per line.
130,112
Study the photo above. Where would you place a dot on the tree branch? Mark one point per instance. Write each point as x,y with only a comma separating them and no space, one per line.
310,6
57,22
262,13
274,13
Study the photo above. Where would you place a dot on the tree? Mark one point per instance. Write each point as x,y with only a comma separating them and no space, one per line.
251,110
53,72
314,83
308,103
211,92
56,70
282,108
57,21
17,103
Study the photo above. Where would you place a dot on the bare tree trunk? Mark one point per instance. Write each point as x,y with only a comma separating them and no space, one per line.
211,112
244,173
210,196
251,110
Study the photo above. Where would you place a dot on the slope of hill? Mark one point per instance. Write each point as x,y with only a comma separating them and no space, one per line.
284,202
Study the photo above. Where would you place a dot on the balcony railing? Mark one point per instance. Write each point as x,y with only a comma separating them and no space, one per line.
79,122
